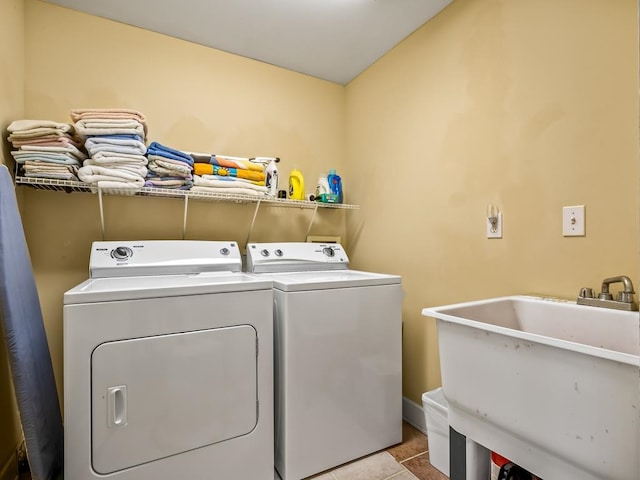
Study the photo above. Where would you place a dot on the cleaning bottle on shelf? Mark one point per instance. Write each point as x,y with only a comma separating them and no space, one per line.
322,188
271,172
335,185
296,185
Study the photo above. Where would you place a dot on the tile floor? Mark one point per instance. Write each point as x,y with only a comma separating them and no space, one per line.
408,460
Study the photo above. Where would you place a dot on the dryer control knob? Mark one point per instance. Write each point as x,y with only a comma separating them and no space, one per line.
121,253
278,253
329,251
264,253
224,251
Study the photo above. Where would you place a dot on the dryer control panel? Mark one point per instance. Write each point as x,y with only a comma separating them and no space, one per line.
162,257
295,257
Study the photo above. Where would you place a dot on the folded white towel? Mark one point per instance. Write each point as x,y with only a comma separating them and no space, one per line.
124,145
114,157
211,182
118,188
241,191
132,168
26,125
108,126
95,174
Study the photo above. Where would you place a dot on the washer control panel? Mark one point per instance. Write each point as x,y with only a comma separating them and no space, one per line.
295,257
162,257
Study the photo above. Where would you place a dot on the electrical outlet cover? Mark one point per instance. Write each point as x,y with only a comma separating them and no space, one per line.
573,221
498,230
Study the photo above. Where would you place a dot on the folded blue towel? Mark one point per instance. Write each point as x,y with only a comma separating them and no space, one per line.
123,136
156,148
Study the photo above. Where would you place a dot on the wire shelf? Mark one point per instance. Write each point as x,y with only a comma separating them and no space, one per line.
70,186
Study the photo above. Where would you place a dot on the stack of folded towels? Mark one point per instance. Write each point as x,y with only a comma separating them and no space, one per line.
45,149
228,175
115,141
168,168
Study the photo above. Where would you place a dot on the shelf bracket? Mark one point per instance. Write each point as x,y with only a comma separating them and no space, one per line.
313,217
253,221
101,206
184,218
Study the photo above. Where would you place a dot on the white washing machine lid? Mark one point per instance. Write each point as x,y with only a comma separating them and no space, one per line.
323,280
133,288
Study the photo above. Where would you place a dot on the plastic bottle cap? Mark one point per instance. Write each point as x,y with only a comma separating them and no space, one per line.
332,171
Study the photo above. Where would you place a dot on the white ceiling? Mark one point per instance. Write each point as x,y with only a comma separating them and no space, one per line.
330,39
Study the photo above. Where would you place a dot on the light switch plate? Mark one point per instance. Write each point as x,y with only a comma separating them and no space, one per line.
573,221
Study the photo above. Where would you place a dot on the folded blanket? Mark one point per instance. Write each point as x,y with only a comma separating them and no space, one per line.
51,140
121,136
35,133
118,113
22,156
181,186
165,182
49,170
96,174
229,162
115,158
53,175
119,188
132,168
48,167
156,148
101,126
228,183
117,145
208,169
68,148
242,191
19,126
173,167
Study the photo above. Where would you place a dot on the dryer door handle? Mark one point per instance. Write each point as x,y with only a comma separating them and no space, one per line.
117,406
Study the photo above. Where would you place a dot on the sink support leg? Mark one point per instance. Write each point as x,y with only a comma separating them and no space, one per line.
457,455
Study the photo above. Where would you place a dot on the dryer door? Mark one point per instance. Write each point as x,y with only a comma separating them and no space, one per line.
158,396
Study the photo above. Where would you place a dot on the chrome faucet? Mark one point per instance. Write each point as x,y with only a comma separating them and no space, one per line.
624,299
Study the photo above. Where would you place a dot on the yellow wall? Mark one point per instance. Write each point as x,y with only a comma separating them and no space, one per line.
11,107
195,98
529,105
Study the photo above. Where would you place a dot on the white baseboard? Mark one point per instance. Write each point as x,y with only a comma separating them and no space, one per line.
9,470
412,413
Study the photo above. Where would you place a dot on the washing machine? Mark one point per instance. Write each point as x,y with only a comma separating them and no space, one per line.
338,356
168,365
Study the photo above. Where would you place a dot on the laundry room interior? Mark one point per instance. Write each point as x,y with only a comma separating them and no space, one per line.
510,106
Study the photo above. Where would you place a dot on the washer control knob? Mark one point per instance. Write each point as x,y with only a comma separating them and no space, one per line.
329,251
121,253
264,252
224,251
278,252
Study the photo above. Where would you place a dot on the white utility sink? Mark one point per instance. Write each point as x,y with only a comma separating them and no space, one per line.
552,385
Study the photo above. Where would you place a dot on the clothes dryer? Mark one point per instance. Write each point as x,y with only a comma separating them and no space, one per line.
168,365
338,356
